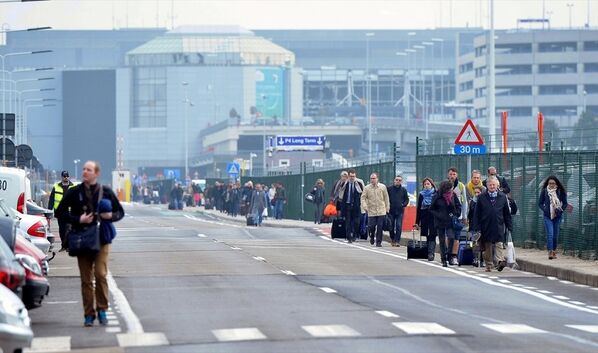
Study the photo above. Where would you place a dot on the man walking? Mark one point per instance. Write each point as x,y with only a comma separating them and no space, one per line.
374,202
399,199
56,196
281,199
502,181
80,208
492,217
350,196
459,190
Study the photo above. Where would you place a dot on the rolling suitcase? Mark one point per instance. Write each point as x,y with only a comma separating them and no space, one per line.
363,226
416,249
251,220
338,229
465,254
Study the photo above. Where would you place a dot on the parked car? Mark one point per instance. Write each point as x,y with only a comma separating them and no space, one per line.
15,188
36,286
15,325
35,228
35,210
12,274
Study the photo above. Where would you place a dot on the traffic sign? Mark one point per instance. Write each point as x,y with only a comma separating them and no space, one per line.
470,149
300,143
233,169
469,135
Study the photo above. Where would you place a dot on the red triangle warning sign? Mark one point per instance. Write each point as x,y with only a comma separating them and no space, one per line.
469,135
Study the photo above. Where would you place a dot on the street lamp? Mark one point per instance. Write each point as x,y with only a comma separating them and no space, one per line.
368,88
76,161
251,157
188,104
441,41
570,6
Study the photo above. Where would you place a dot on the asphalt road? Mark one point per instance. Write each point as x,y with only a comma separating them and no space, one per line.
187,282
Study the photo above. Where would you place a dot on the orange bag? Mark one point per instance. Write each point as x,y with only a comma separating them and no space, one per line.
330,210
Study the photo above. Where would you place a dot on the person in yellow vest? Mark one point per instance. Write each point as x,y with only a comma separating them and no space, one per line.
56,196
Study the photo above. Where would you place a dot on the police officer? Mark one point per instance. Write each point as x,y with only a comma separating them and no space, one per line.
56,196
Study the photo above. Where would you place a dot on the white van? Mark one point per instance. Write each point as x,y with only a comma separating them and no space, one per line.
15,188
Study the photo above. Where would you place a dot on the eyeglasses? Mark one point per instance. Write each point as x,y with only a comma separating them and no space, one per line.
551,183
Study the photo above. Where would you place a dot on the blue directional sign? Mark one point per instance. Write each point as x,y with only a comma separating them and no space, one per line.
300,143
470,149
233,169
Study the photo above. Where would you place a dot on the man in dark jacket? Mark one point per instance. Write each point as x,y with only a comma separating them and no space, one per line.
492,219
56,196
398,201
350,195
280,199
80,208
503,185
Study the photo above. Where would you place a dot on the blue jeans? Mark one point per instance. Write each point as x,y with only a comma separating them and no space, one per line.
278,206
552,232
258,217
396,227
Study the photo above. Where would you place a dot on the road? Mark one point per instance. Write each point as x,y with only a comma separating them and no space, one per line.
187,282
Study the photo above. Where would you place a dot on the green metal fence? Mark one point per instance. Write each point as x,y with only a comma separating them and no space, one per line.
525,172
297,185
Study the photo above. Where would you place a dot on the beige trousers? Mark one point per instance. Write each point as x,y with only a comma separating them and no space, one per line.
90,267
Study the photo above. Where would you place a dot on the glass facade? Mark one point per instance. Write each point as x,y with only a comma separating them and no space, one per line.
149,97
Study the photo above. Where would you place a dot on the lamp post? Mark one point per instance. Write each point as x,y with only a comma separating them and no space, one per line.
23,112
427,102
251,157
368,93
570,6
76,161
407,77
441,41
187,103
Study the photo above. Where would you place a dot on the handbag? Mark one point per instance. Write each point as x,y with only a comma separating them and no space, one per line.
511,258
457,225
387,225
330,210
85,241
309,197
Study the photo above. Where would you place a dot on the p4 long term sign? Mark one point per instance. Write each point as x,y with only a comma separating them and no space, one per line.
300,143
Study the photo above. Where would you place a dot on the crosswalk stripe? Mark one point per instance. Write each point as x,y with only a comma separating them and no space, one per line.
387,313
50,344
330,331
142,339
577,303
423,328
562,297
328,290
113,329
545,291
586,328
238,334
513,328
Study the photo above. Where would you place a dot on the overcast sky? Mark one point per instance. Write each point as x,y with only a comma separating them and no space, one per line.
290,14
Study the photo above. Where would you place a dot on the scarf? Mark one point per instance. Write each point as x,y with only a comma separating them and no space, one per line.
470,185
555,203
448,197
427,195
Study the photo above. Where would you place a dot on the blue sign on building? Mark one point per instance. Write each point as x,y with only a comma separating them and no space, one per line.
300,143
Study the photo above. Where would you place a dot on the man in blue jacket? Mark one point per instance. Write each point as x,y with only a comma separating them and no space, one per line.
399,199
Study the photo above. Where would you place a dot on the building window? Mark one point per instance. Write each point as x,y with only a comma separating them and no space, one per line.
590,46
590,67
480,71
557,47
466,86
465,68
517,111
318,163
519,48
480,92
514,91
284,163
557,68
559,111
480,51
591,89
513,69
480,113
149,97
558,89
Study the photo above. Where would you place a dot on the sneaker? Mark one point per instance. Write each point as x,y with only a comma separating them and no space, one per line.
454,261
393,243
88,321
378,245
501,266
431,258
102,318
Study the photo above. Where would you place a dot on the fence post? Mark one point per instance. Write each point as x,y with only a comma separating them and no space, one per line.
303,166
594,213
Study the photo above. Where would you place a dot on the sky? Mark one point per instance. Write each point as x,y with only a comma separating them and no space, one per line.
291,14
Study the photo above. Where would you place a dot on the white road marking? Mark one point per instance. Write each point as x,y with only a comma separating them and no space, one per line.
586,328
482,275
141,339
235,248
594,288
202,235
50,344
593,307
330,331
493,277
552,278
504,281
518,285
561,297
113,329
566,282
387,313
545,291
513,328
121,302
238,334
259,258
328,290
577,303
582,285
113,323
64,302
531,288
484,280
423,328
289,273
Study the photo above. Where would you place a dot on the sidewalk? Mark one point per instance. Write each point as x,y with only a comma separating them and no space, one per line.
565,268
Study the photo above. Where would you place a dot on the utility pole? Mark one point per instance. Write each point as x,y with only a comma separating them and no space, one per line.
490,98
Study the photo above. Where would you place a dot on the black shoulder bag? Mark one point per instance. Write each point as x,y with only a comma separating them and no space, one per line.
86,241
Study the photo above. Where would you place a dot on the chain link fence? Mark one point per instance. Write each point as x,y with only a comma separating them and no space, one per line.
525,172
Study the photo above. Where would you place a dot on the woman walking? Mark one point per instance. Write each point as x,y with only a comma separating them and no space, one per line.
318,192
553,200
445,206
424,220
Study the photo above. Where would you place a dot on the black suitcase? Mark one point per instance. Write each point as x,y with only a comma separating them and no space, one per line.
417,249
338,229
171,205
363,226
250,220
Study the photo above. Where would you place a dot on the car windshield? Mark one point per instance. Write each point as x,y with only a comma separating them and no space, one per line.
6,211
